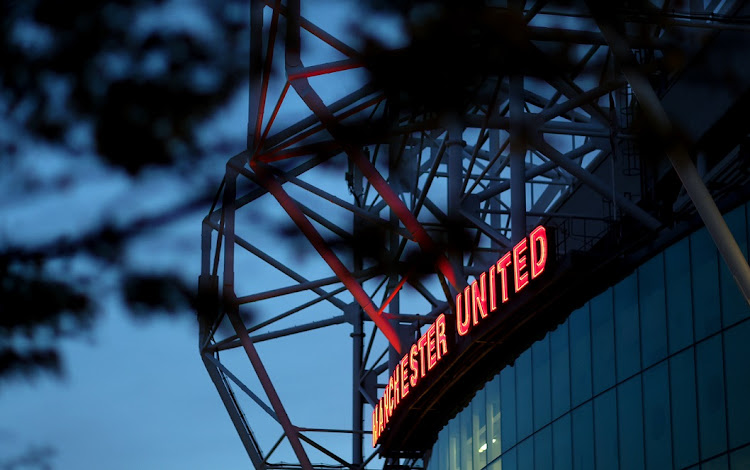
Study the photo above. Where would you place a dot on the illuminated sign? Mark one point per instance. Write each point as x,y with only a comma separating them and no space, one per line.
514,270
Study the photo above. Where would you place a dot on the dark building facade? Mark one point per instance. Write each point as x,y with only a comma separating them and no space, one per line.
652,373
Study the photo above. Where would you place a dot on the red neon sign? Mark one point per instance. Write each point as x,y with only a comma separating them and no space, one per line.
517,268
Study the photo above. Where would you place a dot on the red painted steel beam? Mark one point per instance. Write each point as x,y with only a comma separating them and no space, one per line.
269,182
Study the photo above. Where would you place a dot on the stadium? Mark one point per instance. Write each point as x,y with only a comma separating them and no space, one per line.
516,241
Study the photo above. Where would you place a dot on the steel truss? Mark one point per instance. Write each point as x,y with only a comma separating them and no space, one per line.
401,216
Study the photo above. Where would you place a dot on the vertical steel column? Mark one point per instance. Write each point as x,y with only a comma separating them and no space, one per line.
357,337
454,148
517,160
680,158
495,219
357,401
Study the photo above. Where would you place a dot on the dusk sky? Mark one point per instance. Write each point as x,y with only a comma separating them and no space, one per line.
133,392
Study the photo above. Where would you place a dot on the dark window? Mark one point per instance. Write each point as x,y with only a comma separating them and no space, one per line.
605,430
705,270
630,424
656,418
560,352
580,355
679,298
627,331
733,305
711,411
508,407
543,449
684,408
583,437
541,383
653,311
602,341
562,447
737,346
524,412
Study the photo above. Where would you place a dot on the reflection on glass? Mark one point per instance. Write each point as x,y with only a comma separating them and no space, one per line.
602,391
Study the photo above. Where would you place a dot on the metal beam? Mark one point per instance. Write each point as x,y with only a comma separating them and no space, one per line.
679,157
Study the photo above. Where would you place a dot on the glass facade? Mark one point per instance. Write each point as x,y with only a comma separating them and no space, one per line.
653,373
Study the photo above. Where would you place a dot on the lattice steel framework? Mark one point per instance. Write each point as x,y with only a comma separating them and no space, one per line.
362,219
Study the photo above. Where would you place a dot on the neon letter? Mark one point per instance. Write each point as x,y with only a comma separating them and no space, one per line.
519,263
442,343
413,364
479,298
502,270
538,258
493,289
462,315
404,376
431,343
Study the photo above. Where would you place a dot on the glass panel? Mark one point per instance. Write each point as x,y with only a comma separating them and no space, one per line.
653,310
656,417
524,412
684,408
711,411
444,449
605,431
733,305
602,341
508,407
496,465
740,459
630,424
454,448
434,462
560,353
705,270
737,360
583,437
580,355
466,439
526,455
509,460
493,418
679,301
479,429
543,449
561,444
627,331
541,383
719,463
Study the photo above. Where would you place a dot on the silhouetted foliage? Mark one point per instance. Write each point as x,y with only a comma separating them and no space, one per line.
132,79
